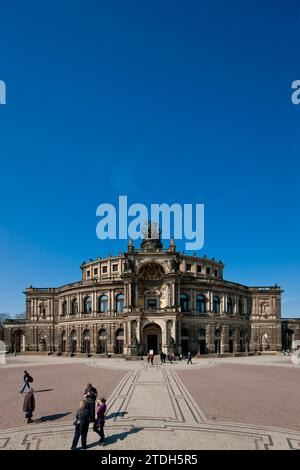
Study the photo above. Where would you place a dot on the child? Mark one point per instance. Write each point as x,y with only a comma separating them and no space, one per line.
100,420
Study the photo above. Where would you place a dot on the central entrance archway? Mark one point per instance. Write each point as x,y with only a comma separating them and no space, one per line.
152,338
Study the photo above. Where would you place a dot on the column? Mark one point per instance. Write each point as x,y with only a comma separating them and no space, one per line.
210,338
245,306
129,333
224,339
225,304
136,286
235,308
138,331
164,337
211,299
178,339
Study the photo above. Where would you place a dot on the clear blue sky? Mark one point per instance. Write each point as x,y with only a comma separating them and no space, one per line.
165,101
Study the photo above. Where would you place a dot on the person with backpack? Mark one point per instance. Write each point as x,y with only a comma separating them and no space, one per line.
27,380
29,405
100,421
81,423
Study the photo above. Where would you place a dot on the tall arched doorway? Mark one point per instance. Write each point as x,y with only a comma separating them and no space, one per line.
184,341
217,341
152,338
86,342
18,341
73,342
231,342
63,342
202,341
102,342
120,341
289,337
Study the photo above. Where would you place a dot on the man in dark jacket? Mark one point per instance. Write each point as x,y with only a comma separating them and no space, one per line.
189,358
29,405
27,378
90,395
81,423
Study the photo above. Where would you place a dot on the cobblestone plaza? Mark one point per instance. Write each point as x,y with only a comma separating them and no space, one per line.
215,403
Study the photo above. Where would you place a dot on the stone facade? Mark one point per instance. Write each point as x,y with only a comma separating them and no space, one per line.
150,298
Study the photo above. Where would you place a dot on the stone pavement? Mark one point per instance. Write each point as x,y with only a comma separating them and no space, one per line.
152,409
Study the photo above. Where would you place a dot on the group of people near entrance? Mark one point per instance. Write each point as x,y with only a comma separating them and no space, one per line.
91,410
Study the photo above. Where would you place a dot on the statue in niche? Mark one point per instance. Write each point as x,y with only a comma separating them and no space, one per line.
171,345
134,346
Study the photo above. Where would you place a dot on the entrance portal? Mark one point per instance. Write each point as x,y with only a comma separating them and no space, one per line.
152,338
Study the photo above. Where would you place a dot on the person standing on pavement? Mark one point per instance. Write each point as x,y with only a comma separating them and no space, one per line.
189,358
90,395
81,423
151,358
29,405
26,381
100,420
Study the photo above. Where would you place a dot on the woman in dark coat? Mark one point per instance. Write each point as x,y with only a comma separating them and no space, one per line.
29,405
90,395
82,421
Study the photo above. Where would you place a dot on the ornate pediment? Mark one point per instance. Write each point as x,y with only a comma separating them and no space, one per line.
154,292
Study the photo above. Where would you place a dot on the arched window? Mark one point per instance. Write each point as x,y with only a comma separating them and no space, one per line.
64,307
42,310
103,304
87,305
229,306
184,302
74,307
216,304
200,303
120,303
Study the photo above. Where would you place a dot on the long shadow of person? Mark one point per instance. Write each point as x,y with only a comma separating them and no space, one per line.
116,414
109,440
52,417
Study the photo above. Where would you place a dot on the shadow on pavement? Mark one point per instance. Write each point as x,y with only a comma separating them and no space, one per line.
46,390
121,414
114,438
52,417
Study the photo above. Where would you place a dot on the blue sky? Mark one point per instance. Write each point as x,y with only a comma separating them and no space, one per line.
164,101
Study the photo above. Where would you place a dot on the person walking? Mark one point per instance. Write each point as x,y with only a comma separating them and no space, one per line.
189,358
90,395
29,405
81,423
26,381
100,420
162,357
151,358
